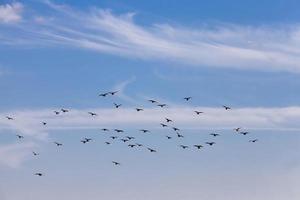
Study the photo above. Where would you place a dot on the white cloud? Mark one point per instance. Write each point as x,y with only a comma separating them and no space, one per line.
11,13
13,155
226,45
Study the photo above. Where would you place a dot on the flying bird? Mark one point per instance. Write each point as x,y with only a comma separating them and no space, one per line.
38,174
244,133
151,150
116,163
226,107
56,112
9,118
138,144
144,130
113,137
152,101
119,130
105,129
139,109
168,120
237,129
198,112
215,134
107,143
44,123
124,140
64,110
103,94
175,129
129,137
253,140
20,136
162,105
113,93
180,136
117,105
187,98
58,144
92,114
35,154
131,145
184,146
198,146
168,137
210,143
163,125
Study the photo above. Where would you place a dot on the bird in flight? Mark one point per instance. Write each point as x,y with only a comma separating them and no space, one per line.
64,110
117,105
113,137
184,146
244,133
124,140
38,174
139,109
58,144
138,144
187,98
9,118
129,137
83,141
253,140
35,154
144,130
163,125
198,146
175,129
152,101
210,143
116,163
237,129
162,105
226,107
44,123
198,112
119,130
105,129
92,114
215,134
103,94
151,150
131,145
168,137
20,136
113,93
179,135
107,143
56,112
168,120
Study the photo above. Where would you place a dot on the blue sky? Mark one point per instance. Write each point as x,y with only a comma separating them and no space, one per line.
62,54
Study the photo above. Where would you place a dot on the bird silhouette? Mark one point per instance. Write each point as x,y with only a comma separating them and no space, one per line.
179,135
88,139
210,143
38,174
152,101
92,114
129,137
151,150
139,109
168,137
113,137
244,133
144,130
113,93
105,129
58,144
237,129
124,140
56,112
226,107
131,145
119,130
198,146
64,110
103,94
187,98
35,154
163,125
168,120
139,145
175,129
83,141
117,105
255,140
198,112
9,118
116,163
162,105
44,123
215,134
20,136
184,146
107,143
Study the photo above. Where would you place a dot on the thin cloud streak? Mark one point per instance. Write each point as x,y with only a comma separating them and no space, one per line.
230,46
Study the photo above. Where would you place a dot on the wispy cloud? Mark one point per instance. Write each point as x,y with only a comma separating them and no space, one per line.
266,48
11,13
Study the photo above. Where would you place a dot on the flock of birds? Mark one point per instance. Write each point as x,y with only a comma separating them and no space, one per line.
167,123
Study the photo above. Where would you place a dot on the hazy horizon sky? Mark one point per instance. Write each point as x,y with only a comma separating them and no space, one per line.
63,54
